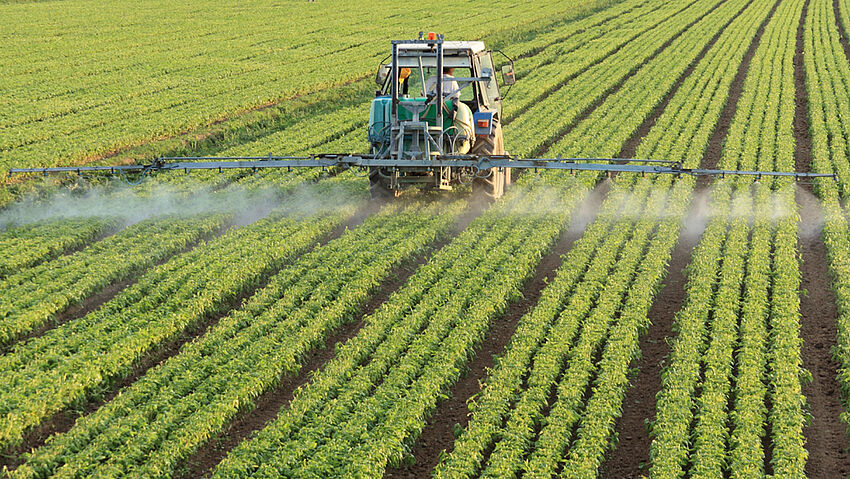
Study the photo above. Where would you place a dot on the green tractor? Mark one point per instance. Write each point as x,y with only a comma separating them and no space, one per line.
418,114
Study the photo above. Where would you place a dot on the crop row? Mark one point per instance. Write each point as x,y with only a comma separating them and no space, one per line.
554,66
319,127
411,378
334,132
570,294
681,133
543,453
53,371
293,463
26,246
532,90
607,128
827,79
184,402
338,132
31,297
548,119
573,326
363,407
725,319
827,75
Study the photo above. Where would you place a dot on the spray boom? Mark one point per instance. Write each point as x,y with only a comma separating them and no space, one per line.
474,165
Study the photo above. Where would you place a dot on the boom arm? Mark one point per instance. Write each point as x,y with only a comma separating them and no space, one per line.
478,164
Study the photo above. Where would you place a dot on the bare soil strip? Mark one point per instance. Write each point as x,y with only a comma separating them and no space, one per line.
826,434
715,144
97,300
269,404
802,135
63,421
593,106
630,146
631,455
842,37
451,413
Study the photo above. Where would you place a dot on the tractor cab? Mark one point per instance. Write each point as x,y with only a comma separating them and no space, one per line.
420,115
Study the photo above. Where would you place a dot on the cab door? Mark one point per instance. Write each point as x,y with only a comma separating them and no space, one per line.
489,91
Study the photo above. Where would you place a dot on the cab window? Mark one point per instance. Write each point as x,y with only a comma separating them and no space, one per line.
491,88
415,82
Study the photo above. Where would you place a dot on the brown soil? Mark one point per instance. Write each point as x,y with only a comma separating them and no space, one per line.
842,37
97,300
615,88
451,413
630,146
714,152
802,134
62,421
826,434
631,455
269,404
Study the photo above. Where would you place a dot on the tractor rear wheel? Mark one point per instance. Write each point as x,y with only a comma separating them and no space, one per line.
493,186
379,187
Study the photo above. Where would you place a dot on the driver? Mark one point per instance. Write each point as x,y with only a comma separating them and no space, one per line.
451,90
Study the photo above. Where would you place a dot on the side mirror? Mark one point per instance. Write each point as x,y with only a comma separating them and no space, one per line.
383,73
508,77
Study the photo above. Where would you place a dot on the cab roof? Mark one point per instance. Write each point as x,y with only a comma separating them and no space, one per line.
448,47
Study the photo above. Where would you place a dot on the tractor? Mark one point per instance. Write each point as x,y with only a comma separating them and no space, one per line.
420,114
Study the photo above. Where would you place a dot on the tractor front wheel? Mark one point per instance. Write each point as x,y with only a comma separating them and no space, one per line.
493,185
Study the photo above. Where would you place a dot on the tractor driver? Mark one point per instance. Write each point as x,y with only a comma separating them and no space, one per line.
451,90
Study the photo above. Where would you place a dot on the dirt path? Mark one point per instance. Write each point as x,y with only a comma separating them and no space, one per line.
842,34
269,404
438,434
631,455
826,434
616,87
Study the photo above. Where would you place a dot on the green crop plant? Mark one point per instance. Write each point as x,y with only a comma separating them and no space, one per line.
32,297
194,394
87,353
28,245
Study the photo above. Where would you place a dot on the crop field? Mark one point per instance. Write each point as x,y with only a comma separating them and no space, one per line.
278,323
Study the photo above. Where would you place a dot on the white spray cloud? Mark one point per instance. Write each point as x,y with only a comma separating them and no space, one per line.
133,204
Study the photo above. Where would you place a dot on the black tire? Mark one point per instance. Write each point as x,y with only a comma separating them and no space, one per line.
493,186
379,187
